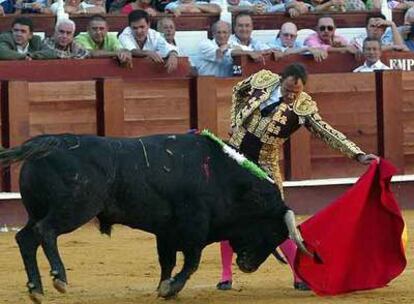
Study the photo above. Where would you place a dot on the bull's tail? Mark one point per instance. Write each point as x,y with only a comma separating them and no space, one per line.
32,149
294,233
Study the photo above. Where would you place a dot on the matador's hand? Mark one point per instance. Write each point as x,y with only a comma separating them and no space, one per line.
366,159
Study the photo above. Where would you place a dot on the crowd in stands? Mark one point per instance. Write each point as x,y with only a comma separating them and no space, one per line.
216,54
293,7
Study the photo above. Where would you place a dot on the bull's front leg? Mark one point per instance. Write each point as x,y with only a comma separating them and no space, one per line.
171,287
167,257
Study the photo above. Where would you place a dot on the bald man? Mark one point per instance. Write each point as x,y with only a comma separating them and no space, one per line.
286,43
215,55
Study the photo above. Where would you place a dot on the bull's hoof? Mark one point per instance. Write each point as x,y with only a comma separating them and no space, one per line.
59,285
36,297
165,289
225,285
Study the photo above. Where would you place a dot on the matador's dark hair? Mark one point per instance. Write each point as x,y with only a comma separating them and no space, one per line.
297,71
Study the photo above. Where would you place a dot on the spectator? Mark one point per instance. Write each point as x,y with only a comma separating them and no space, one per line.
62,41
32,7
161,4
242,43
21,43
345,5
139,4
192,6
7,7
407,31
326,39
80,7
216,59
145,42
100,43
385,30
293,7
286,43
372,55
166,27
400,4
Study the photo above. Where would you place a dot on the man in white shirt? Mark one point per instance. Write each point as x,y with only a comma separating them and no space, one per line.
242,43
372,55
145,42
215,54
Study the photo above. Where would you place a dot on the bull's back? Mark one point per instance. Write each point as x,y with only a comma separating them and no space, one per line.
73,172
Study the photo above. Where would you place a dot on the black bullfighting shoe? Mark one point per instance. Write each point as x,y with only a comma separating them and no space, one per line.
301,286
225,285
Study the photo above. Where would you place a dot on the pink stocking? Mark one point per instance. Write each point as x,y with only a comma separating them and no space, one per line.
288,249
226,259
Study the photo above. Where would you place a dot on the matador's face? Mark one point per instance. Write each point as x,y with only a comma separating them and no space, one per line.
291,88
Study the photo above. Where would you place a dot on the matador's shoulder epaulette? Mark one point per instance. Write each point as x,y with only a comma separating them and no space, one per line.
304,105
264,79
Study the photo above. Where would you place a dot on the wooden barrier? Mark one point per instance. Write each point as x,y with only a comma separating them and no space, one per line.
365,106
407,121
274,21
87,69
335,63
399,60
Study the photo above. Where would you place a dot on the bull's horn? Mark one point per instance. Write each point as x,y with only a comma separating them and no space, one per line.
294,233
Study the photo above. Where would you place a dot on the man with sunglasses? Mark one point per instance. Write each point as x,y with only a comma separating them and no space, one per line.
287,44
378,27
326,39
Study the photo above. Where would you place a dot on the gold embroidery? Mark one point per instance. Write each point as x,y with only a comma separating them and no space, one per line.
262,126
237,137
304,105
264,79
269,161
332,137
250,93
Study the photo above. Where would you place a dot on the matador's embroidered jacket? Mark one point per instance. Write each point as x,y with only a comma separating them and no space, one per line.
260,138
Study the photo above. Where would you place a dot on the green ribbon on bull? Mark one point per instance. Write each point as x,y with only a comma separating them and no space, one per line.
238,157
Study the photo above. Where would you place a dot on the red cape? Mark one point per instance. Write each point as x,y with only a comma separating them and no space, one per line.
357,238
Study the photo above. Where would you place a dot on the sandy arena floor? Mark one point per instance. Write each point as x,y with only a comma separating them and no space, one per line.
124,269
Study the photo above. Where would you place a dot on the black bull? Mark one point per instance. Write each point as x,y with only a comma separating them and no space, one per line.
182,188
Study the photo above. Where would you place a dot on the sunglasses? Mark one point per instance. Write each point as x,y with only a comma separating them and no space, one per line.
324,28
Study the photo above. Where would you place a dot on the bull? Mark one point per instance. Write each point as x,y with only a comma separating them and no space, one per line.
181,188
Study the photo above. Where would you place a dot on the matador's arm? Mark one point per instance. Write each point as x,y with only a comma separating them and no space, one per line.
308,114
